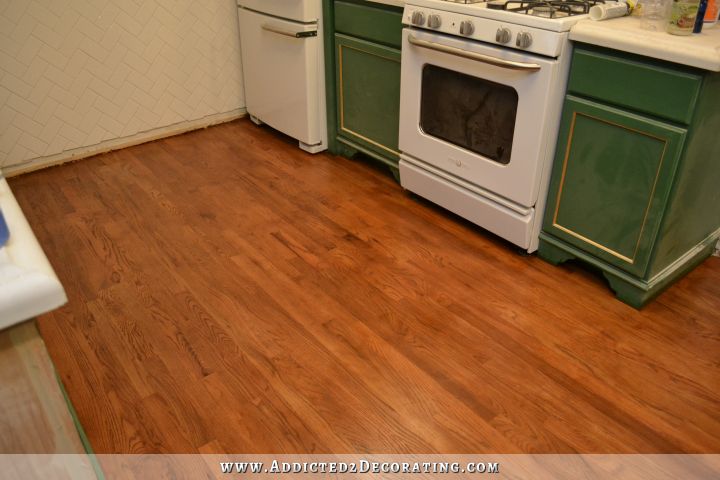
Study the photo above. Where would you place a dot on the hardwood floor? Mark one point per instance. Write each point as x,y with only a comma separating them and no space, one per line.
231,293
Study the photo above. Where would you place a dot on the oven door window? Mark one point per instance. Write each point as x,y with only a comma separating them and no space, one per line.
470,112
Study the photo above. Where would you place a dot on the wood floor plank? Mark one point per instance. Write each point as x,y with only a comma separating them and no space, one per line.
388,374
230,292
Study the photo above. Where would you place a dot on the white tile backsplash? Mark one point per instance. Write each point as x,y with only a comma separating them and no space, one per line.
76,73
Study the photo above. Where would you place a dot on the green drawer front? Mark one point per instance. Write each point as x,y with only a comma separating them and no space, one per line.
612,176
654,88
378,24
368,83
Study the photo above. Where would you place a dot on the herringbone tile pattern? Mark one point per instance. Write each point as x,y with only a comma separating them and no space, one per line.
75,73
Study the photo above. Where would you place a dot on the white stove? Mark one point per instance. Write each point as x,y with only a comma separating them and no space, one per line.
481,95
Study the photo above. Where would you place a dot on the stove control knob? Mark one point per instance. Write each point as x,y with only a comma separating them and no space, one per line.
523,40
434,21
503,35
467,28
418,18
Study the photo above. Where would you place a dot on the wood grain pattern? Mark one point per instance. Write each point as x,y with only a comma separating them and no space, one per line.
229,292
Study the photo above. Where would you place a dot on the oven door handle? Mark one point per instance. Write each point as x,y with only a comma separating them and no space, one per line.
498,62
301,34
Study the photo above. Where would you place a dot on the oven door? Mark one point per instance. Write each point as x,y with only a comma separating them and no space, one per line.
476,111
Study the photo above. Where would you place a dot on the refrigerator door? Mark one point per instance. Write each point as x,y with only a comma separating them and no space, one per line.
282,71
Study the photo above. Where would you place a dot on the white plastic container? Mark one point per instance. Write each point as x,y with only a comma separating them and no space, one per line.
609,10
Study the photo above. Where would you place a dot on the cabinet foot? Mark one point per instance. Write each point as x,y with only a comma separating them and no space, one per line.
636,292
629,293
345,150
552,254
639,294
255,120
396,173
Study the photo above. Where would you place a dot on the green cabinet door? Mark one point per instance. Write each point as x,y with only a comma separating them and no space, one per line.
368,95
612,177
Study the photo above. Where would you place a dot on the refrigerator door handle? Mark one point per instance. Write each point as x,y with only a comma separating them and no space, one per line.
288,33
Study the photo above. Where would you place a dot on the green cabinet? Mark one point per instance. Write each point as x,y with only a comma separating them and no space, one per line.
634,189
365,98
368,96
617,170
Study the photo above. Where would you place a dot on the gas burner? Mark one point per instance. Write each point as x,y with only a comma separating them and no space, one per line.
546,9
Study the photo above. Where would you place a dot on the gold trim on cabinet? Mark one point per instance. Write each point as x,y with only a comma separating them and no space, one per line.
345,129
342,97
652,192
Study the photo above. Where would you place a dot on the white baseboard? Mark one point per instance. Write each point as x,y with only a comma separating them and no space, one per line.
118,143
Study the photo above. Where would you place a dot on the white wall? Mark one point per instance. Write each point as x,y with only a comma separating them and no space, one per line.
81,76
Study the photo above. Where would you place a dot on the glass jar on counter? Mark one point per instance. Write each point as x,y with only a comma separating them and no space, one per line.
682,17
653,14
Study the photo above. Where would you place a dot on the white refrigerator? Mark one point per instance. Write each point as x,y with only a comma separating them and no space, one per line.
284,67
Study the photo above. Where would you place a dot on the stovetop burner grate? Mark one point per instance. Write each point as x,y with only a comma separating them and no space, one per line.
548,9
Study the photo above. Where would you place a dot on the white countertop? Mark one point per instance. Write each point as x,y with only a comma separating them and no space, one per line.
395,3
28,284
625,34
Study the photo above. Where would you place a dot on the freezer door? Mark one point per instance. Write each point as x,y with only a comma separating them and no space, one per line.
304,11
282,73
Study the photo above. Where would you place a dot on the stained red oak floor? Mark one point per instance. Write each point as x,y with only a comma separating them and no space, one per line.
231,293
